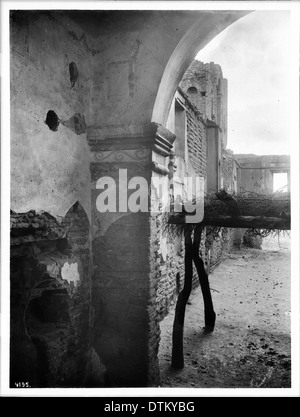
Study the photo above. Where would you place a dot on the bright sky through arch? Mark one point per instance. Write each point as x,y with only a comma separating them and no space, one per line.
254,55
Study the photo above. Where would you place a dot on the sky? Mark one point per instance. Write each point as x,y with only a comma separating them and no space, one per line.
254,54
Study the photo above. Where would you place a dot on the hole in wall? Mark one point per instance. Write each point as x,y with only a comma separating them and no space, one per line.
73,73
52,120
192,90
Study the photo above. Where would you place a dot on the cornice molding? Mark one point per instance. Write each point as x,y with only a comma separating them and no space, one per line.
123,137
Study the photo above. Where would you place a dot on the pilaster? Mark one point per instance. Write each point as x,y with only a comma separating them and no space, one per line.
126,330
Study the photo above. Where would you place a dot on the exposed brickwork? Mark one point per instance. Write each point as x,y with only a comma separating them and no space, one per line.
50,308
218,243
207,89
195,78
32,226
167,263
196,139
154,329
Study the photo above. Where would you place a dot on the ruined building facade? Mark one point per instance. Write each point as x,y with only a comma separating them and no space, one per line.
256,172
197,117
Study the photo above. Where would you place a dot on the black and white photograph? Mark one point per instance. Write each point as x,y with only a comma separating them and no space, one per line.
150,200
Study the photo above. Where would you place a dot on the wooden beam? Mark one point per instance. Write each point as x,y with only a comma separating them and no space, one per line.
246,222
260,212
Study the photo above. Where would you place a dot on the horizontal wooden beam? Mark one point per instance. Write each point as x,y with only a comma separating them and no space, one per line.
244,222
249,222
255,211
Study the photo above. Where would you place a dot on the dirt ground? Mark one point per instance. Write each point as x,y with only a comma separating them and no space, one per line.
251,344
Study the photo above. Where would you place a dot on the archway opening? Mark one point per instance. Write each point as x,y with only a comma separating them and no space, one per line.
279,180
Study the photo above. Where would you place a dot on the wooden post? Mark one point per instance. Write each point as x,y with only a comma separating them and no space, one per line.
191,253
209,314
177,348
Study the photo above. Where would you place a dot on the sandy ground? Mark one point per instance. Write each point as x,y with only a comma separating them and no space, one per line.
251,344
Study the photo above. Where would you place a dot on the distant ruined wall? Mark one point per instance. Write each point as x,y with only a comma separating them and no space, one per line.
207,89
256,171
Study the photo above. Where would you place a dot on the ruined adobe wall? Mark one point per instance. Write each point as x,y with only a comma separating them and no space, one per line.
207,89
50,284
256,171
50,264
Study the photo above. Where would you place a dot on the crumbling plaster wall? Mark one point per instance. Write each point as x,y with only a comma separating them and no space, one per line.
121,59
49,170
51,317
50,273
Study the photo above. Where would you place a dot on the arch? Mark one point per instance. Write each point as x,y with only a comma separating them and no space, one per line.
199,34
